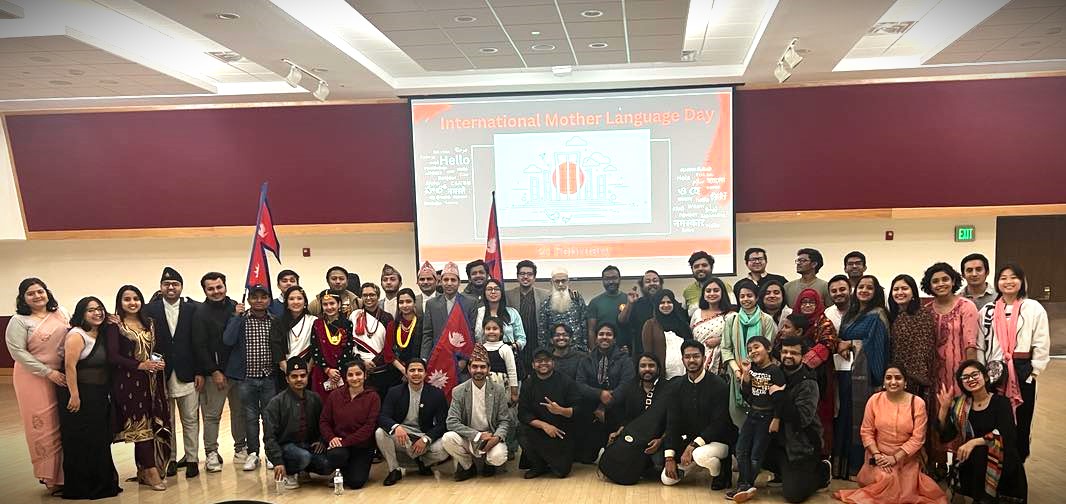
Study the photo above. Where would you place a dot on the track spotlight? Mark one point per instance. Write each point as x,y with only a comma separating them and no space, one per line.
791,56
781,72
294,75
322,91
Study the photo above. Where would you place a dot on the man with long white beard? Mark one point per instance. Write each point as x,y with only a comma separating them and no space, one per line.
563,306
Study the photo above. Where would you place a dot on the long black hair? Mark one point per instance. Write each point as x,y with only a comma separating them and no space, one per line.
141,315
501,310
761,296
287,320
855,310
724,303
22,307
912,306
410,292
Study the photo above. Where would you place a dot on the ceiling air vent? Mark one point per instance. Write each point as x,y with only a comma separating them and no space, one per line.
890,28
226,56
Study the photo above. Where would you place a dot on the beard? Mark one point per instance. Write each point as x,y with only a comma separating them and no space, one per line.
560,301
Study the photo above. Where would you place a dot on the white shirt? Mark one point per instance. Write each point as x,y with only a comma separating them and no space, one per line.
171,311
479,419
389,305
835,316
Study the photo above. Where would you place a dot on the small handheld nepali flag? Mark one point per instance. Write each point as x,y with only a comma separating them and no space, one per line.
442,370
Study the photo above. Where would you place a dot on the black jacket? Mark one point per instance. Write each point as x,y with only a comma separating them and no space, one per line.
432,410
177,349
698,411
620,374
801,432
281,421
208,323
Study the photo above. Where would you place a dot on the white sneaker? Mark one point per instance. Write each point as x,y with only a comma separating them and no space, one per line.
251,462
291,482
214,462
240,456
270,465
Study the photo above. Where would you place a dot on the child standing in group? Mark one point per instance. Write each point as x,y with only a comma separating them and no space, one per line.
762,380
502,368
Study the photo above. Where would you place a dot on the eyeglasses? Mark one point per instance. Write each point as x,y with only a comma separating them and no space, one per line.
810,302
971,376
492,289
370,294
756,259
802,261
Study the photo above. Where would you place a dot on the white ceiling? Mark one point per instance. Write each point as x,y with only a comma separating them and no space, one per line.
153,52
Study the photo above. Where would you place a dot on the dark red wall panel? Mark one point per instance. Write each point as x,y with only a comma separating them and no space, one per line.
325,164
963,143
930,144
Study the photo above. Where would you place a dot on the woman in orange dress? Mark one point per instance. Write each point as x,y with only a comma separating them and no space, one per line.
893,432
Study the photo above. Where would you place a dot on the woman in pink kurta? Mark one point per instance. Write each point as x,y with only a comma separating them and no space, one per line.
34,336
956,324
893,432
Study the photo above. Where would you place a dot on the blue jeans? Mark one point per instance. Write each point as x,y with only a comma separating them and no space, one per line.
255,394
298,457
751,446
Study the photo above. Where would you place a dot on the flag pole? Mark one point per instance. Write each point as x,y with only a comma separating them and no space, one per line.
255,235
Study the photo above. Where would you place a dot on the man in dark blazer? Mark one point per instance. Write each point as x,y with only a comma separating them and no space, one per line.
172,315
413,417
439,308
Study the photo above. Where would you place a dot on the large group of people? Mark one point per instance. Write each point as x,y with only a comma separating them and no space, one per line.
807,379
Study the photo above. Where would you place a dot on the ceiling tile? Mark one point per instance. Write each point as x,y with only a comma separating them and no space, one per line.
547,60
652,42
581,45
656,9
125,69
1021,4
528,14
417,37
560,46
434,5
1007,55
507,61
436,51
10,45
668,26
56,43
995,32
402,21
951,58
966,45
872,52
1055,52
475,34
446,18
87,92
602,57
445,64
612,11
1025,43
876,41
93,57
596,29
553,30
1018,16
384,6
30,59
732,30
471,50
656,55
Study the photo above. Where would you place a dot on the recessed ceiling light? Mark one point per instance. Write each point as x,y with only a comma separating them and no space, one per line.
75,71
228,16
465,19
488,50
1031,43
592,13
543,47
320,70
108,81
1054,30
59,82
534,33
40,59
598,45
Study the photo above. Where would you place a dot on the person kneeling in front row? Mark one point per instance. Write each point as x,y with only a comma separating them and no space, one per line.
290,428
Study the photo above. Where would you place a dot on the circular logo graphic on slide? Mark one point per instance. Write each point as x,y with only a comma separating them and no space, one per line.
568,178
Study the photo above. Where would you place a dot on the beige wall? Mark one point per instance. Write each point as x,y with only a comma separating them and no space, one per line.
76,268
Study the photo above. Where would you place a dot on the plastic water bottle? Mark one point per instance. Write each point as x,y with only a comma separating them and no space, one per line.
338,482
279,486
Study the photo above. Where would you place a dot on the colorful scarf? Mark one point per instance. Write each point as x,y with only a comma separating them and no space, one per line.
812,319
1006,330
959,415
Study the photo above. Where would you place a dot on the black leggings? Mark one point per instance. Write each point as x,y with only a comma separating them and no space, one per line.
799,478
354,463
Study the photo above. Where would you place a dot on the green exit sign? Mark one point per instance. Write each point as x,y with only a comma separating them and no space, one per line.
964,233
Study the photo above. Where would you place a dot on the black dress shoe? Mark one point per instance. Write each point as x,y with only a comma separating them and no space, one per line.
394,476
533,473
465,474
192,470
172,469
422,469
488,470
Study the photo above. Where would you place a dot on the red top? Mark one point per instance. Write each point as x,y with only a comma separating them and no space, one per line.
353,419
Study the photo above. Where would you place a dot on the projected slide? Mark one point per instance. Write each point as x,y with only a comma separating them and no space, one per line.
638,179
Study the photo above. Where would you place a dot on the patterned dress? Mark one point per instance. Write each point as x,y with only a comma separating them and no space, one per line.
140,397
709,332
